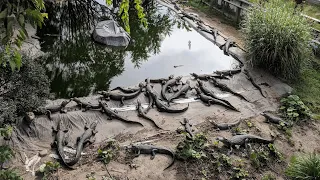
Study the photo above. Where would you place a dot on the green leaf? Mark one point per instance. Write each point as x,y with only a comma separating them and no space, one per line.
3,14
21,20
12,64
17,58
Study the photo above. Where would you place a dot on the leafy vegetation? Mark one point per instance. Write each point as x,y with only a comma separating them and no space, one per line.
14,16
49,169
268,177
192,148
304,167
277,39
294,109
109,151
263,155
9,175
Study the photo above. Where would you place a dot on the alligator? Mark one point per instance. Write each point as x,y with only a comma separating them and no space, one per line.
225,47
187,126
224,87
129,90
226,126
274,119
86,137
151,149
249,77
52,109
113,114
85,105
215,34
149,91
61,141
161,80
168,84
207,76
119,96
183,91
241,140
142,114
228,72
209,92
161,107
210,101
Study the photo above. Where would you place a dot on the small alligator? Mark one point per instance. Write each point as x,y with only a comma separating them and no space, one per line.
241,140
61,141
129,90
119,96
52,109
228,72
226,126
150,149
210,101
225,47
85,105
161,80
206,77
168,84
183,91
274,119
215,34
249,77
187,126
149,91
161,107
142,114
224,87
209,92
86,137
113,114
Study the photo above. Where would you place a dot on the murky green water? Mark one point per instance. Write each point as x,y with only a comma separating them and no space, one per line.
77,66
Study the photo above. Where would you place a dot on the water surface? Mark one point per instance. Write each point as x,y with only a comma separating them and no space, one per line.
78,67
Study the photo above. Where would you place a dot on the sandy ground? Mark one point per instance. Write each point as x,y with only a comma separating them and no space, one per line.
304,138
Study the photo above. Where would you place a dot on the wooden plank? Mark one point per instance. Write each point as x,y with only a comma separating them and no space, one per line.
236,5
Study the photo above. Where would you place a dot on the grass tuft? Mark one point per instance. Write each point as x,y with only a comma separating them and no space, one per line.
304,167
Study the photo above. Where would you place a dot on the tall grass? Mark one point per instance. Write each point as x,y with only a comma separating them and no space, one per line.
304,167
277,38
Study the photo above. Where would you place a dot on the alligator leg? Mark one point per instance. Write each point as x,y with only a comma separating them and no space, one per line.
170,89
137,153
48,113
153,154
175,89
122,101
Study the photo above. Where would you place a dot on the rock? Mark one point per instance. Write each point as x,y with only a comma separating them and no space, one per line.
111,34
43,153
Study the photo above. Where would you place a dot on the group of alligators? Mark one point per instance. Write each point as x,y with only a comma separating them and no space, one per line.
162,102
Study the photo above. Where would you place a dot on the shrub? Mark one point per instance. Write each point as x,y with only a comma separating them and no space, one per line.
277,38
304,167
294,109
109,151
192,148
9,175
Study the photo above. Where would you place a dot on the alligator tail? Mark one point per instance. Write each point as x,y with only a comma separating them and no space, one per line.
177,110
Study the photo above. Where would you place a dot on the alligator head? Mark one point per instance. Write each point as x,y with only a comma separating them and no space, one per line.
141,84
64,103
93,125
222,139
194,75
200,82
178,78
198,90
171,76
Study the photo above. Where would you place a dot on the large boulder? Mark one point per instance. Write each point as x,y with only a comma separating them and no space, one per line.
111,34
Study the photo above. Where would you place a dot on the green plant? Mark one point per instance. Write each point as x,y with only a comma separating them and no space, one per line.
109,151
239,173
277,38
9,175
48,169
6,154
259,158
192,148
304,167
268,177
294,109
14,16
90,176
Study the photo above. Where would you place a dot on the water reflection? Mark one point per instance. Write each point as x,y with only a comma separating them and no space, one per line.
77,66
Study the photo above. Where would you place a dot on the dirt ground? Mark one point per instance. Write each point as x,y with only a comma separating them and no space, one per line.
305,138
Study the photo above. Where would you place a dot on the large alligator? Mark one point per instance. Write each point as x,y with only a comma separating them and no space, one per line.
207,77
226,126
168,84
210,101
241,140
86,137
112,114
129,90
209,92
161,107
249,77
85,105
142,114
119,96
230,72
150,149
183,91
187,126
224,87
52,109
274,119
61,141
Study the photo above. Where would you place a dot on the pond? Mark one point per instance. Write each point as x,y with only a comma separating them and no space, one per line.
77,66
